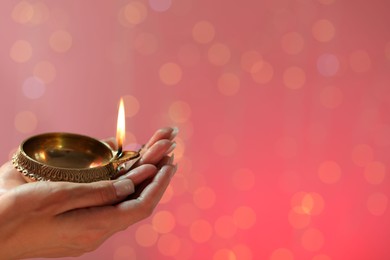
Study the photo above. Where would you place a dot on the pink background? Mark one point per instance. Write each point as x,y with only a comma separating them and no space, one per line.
283,108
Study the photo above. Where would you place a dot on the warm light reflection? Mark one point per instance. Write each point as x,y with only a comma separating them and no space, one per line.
121,126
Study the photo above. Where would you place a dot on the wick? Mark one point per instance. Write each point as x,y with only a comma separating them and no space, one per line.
119,152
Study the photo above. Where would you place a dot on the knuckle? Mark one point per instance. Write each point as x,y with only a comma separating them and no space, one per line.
106,192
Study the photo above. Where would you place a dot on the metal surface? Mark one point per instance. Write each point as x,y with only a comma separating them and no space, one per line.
68,157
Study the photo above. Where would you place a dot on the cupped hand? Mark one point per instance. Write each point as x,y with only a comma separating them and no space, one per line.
56,219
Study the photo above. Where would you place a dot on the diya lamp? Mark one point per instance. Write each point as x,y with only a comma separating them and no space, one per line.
72,157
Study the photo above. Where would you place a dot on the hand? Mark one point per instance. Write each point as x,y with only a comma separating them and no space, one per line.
56,219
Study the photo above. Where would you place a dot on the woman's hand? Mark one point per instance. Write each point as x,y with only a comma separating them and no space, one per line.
56,219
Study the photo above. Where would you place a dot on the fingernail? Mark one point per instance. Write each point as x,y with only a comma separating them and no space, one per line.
171,159
174,133
123,187
171,148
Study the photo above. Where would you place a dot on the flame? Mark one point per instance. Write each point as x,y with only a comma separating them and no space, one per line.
120,127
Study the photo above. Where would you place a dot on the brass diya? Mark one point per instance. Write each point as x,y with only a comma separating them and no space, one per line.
68,157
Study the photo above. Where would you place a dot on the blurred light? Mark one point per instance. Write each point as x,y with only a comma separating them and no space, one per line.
249,59
219,54
292,43
146,235
204,197
242,252
323,30
60,41
329,172
203,32
307,203
224,254
243,179
146,43
170,73
375,172
189,54
132,105
21,51
225,145
33,88
135,13
286,147
360,61
201,231
331,97
40,15
225,227
25,122
160,5
282,254
228,84
169,244
244,217
298,220
163,221
294,77
328,65
124,253
362,154
262,72
45,71
22,12
312,239
377,203
179,111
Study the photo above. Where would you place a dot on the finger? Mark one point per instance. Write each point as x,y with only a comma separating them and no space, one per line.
163,133
165,161
144,205
10,177
141,173
156,152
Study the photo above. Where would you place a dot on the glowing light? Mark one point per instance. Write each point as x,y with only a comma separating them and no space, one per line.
60,41
249,59
170,73
203,32
307,203
377,203
132,105
228,84
294,77
331,97
33,88
169,244
134,13
375,172
146,236
286,147
224,144
225,227
25,122
22,12
328,65
163,221
298,220
292,43
40,15
329,172
362,154
242,251
179,111
146,43
262,72
323,30
244,217
121,126
282,254
201,231
45,71
243,179
224,254
160,5
312,239
189,54
204,197
21,51
218,54
360,61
